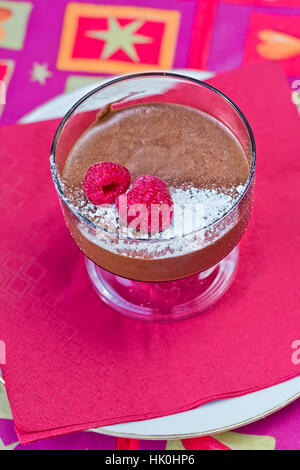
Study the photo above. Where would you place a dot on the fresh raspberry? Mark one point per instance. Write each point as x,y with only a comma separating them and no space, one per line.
148,206
146,180
104,181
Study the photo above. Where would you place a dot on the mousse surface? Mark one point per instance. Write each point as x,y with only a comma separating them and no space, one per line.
179,144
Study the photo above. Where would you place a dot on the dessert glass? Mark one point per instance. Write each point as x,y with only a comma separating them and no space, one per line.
157,279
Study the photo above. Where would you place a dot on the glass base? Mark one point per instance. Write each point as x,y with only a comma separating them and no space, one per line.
164,301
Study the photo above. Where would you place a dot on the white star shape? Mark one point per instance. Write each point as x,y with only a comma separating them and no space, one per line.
39,73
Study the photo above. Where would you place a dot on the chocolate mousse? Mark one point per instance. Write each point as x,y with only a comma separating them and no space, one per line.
204,166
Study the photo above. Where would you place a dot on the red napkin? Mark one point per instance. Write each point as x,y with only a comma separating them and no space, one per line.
73,363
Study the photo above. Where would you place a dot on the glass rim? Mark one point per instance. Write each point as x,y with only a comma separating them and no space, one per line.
113,81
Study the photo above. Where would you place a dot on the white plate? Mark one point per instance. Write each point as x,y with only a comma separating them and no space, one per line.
218,416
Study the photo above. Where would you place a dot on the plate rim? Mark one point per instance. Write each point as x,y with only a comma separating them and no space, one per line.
201,434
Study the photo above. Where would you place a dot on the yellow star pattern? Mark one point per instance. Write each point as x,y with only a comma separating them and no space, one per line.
5,412
39,73
121,38
239,441
8,447
235,441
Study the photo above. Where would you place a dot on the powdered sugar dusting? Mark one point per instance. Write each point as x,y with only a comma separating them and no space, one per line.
196,211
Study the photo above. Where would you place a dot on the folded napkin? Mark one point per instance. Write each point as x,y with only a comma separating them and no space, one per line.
73,363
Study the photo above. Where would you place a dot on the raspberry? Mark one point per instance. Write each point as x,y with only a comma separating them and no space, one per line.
145,180
148,206
105,181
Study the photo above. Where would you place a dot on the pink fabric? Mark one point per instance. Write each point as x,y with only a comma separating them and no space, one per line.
68,354
204,443
127,444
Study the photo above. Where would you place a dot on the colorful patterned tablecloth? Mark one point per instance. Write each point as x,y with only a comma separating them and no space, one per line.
52,47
